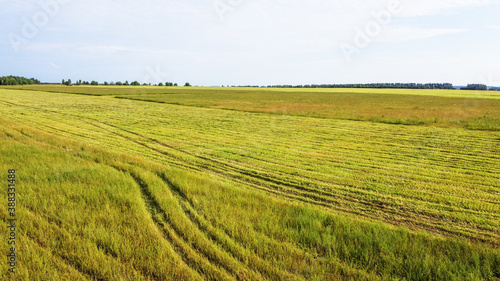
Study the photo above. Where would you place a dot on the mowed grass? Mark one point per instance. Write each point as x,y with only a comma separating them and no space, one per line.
404,108
477,110
116,188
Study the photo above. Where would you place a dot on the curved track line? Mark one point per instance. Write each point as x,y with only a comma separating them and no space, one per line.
191,256
204,226
295,192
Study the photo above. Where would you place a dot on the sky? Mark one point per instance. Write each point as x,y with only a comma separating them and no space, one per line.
252,42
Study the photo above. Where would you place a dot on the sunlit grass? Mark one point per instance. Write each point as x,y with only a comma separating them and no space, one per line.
475,110
114,188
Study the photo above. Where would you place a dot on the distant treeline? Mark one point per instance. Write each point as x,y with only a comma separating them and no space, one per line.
476,87
16,80
374,86
118,83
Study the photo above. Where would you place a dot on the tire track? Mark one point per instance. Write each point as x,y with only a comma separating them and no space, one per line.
264,177
300,193
279,187
224,240
57,224
353,199
192,257
137,142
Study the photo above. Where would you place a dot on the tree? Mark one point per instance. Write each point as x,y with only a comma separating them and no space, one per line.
187,84
175,85
118,83
481,87
135,83
94,83
476,87
106,83
126,83
17,80
161,84
63,82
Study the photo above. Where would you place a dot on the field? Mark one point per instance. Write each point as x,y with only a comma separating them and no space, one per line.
476,110
157,183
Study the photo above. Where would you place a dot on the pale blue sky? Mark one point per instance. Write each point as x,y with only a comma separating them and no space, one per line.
258,42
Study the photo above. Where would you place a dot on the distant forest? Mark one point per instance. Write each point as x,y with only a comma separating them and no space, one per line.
375,86
476,87
16,80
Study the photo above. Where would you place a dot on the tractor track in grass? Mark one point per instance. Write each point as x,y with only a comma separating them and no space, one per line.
84,137
327,157
381,140
213,168
226,233
330,180
205,226
413,222
350,148
215,193
280,188
110,253
184,247
446,173
316,181
58,225
116,127
260,266
394,169
329,198
313,195
189,214
209,159
329,203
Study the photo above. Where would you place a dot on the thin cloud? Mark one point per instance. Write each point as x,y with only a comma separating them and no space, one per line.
437,7
48,47
104,50
405,33
54,65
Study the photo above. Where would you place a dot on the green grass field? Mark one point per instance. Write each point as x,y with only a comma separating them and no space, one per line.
156,183
476,110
